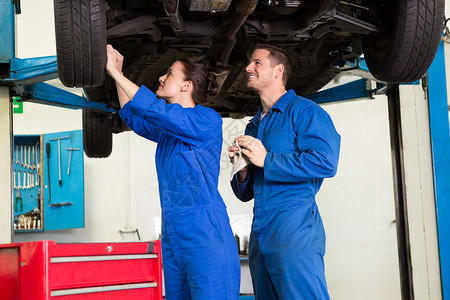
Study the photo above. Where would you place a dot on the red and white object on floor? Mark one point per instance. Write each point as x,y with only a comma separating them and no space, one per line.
45,270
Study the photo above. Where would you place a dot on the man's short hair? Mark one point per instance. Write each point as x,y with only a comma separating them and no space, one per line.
278,56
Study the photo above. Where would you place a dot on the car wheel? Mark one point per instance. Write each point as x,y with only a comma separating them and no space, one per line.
80,42
97,134
406,48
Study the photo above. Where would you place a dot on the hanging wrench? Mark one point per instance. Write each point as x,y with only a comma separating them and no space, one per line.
29,160
25,180
25,153
24,160
70,156
59,155
21,154
32,180
37,156
33,161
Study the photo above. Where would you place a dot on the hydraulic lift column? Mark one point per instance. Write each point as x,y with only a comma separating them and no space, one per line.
7,52
6,231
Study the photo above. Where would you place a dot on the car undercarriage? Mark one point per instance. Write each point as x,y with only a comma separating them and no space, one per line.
397,38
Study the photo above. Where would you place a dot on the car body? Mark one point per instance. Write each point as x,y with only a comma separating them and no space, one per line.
398,39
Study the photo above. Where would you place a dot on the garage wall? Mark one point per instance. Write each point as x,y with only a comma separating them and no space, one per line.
121,191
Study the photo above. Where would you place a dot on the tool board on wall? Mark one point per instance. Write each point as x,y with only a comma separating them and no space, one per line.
48,181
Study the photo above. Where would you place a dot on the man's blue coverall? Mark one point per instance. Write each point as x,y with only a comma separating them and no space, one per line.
200,255
287,241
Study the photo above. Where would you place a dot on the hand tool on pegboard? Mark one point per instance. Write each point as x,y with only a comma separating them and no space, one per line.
59,155
18,199
70,157
47,150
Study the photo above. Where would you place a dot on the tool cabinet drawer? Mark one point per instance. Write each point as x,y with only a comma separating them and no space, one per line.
120,292
86,271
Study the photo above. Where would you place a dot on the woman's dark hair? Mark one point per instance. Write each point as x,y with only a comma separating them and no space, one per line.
204,83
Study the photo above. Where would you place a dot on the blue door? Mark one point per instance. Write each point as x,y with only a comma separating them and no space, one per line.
63,203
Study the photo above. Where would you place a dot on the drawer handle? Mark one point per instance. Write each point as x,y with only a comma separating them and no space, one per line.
108,288
100,258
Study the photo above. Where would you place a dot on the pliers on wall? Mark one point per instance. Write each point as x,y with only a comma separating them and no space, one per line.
18,199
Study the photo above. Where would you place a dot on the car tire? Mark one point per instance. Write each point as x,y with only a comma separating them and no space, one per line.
407,51
97,134
81,42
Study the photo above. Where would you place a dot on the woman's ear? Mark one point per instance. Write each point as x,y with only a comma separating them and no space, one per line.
187,86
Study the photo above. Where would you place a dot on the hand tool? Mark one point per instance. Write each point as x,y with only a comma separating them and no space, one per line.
61,204
17,154
29,160
47,148
37,156
24,161
18,199
21,154
25,180
24,156
33,161
70,156
19,186
59,155
38,198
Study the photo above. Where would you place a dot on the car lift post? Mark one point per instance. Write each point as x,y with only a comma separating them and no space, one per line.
440,143
5,167
7,50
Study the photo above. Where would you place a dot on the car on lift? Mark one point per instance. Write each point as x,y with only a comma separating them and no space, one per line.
398,38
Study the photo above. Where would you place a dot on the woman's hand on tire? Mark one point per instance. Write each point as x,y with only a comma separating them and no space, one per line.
114,61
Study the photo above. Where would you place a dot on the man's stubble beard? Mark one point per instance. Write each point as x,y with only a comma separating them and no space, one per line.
257,86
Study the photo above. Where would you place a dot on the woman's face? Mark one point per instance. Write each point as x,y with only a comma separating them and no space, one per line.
172,84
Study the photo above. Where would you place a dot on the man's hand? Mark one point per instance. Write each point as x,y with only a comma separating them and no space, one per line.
242,174
252,148
231,151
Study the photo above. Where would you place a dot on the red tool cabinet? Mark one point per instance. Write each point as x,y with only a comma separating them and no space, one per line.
45,270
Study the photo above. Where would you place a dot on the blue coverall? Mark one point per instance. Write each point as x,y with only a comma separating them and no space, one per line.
287,241
200,255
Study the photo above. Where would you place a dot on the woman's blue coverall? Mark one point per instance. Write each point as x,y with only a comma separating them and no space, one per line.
287,242
200,255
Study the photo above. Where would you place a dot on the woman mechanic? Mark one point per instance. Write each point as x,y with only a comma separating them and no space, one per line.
200,255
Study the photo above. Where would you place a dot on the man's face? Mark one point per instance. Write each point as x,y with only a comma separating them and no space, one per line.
260,72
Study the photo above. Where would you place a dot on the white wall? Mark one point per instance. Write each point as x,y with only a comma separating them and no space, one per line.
121,192
357,206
